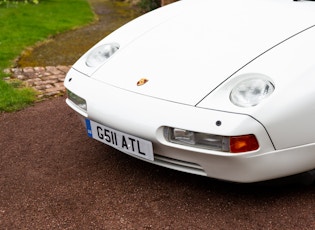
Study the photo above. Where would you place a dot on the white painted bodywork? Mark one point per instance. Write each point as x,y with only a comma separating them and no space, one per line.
193,53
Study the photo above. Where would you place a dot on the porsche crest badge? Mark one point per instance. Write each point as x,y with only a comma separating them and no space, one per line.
142,81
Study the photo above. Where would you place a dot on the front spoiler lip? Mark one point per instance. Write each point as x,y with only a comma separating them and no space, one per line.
265,167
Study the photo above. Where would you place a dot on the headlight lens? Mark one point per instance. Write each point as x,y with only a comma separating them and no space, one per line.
232,144
251,92
100,54
79,101
200,140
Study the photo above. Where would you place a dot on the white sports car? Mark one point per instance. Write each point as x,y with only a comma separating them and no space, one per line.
224,89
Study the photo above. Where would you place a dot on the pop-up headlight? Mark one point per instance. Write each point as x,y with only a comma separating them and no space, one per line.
100,54
251,92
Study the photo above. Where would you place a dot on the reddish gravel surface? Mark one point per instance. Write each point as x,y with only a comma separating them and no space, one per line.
54,177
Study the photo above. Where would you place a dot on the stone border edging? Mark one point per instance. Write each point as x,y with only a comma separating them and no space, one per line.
47,81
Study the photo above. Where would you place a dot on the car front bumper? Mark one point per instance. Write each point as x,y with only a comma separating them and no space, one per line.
146,117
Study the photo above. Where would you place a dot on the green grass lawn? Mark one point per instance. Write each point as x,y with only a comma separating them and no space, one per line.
22,25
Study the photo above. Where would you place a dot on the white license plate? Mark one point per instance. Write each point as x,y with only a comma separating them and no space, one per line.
124,142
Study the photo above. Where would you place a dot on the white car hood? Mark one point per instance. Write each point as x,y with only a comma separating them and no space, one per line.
197,44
